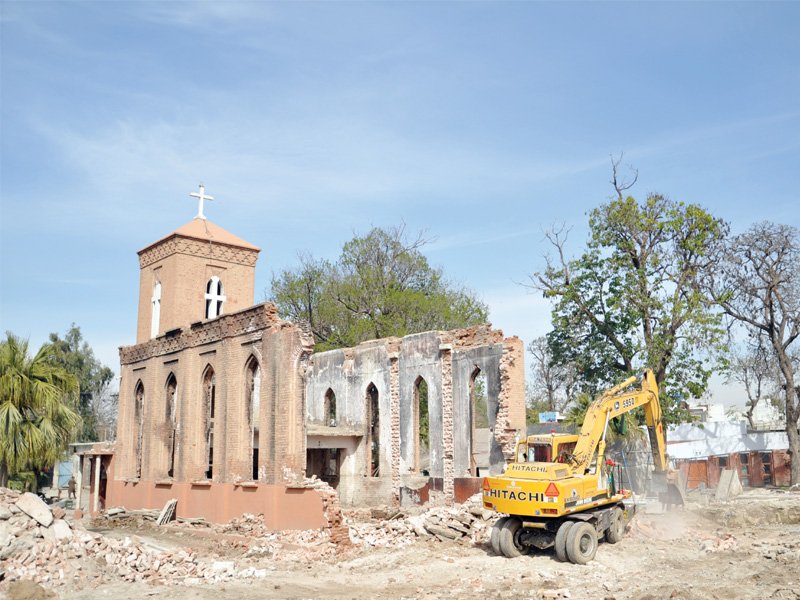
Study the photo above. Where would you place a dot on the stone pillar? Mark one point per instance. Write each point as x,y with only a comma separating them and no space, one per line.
78,475
394,415
446,351
96,499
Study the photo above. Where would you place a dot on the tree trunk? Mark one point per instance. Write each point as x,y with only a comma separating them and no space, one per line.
794,450
749,416
3,474
792,417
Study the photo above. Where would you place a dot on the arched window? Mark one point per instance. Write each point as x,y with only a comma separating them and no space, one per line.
215,297
373,431
156,312
253,403
171,421
329,408
480,436
209,402
421,426
138,416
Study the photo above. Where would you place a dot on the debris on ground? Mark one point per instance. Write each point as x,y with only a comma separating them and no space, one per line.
465,523
400,552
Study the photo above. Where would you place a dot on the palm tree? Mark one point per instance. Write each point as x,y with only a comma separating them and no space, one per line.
38,416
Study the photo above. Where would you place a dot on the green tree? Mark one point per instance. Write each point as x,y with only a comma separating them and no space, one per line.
634,298
380,286
74,354
622,427
38,416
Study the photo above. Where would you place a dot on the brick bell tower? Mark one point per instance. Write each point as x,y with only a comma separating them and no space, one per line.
197,272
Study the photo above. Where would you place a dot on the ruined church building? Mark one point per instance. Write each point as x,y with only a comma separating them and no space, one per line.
224,405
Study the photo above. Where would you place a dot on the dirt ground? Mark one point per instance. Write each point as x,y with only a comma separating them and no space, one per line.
748,548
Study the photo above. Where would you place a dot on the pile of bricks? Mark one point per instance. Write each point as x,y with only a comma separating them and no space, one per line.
38,544
466,523
331,509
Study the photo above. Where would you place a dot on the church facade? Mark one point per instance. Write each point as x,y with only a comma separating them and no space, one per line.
224,405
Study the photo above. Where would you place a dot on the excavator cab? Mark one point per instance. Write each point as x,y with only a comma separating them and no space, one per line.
548,448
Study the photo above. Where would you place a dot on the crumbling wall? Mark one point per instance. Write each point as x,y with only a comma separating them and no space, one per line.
447,361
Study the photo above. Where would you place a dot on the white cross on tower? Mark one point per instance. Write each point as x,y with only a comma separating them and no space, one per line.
200,198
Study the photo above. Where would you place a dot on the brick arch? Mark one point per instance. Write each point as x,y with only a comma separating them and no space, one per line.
252,408
210,409
170,422
138,417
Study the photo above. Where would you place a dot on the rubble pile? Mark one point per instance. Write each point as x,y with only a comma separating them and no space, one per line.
331,509
467,523
724,542
38,544
275,544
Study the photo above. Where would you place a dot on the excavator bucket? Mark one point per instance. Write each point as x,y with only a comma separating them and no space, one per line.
670,488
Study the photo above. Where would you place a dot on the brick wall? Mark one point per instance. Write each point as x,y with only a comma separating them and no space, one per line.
225,345
184,267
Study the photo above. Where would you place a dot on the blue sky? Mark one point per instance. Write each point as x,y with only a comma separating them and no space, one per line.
483,123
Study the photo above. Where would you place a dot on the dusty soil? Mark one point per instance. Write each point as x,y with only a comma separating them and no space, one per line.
748,548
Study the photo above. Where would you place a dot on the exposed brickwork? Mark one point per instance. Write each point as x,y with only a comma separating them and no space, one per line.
197,248
331,509
473,337
447,361
183,266
447,421
394,405
225,345
511,407
249,320
196,351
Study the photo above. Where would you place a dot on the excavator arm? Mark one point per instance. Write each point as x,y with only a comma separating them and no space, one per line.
613,403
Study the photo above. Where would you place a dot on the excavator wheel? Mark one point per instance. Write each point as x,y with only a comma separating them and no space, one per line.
616,530
561,540
509,539
581,543
494,538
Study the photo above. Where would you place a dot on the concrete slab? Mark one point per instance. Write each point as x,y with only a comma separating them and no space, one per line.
61,530
34,507
729,485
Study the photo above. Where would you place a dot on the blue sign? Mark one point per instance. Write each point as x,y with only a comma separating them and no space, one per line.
548,417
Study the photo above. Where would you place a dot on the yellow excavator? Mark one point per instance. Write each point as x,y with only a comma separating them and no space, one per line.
561,491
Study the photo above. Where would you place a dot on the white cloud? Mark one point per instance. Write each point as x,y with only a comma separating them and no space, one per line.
206,14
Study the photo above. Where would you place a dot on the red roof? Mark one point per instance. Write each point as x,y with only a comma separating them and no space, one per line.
205,230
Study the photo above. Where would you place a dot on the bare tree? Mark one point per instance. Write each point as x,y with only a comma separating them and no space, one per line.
757,282
754,368
105,407
554,384
620,183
